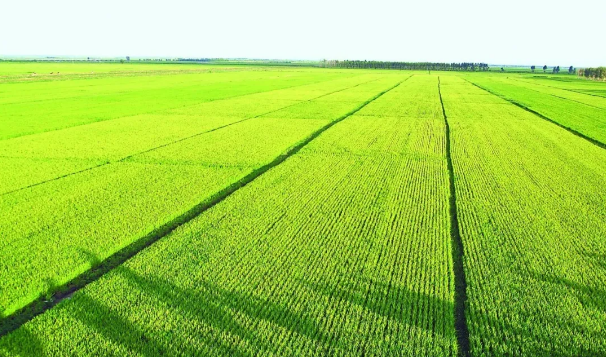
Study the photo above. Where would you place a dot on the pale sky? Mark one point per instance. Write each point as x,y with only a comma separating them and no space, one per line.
505,32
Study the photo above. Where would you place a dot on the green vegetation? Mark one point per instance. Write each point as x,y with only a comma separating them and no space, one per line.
598,73
423,66
235,210
335,271
532,211
135,194
576,111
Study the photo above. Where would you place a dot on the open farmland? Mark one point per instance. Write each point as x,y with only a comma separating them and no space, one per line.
213,210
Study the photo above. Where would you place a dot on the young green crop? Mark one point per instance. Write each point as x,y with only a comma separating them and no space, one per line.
104,209
574,113
343,249
532,211
29,108
61,152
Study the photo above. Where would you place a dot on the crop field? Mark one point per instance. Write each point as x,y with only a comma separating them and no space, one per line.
216,210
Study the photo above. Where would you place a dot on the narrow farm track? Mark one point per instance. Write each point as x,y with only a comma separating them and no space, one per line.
457,250
182,139
573,131
14,321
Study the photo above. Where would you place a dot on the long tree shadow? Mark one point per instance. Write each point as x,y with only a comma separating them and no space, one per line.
113,327
398,305
28,345
374,298
537,334
140,339
588,295
599,259
215,306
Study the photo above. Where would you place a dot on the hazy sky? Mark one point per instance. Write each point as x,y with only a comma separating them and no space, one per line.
504,32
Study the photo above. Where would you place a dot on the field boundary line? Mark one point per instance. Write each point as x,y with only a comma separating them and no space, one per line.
566,89
460,281
579,92
51,299
243,120
125,158
517,104
172,108
554,95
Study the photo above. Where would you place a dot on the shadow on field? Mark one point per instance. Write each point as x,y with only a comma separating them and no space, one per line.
215,306
399,305
528,332
394,303
227,320
115,328
598,259
590,296
211,320
211,307
28,345
92,259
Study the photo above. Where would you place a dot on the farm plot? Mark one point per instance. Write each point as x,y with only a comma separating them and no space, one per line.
62,152
9,71
344,248
571,95
532,212
29,108
588,120
100,211
589,87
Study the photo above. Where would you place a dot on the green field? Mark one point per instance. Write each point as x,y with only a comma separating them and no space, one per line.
181,209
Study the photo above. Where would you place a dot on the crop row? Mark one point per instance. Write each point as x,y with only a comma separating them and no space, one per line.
531,208
26,109
589,120
62,152
342,249
564,93
100,211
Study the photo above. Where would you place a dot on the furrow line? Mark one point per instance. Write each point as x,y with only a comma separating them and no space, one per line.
460,282
11,323
566,89
243,120
580,92
556,96
176,141
171,108
571,130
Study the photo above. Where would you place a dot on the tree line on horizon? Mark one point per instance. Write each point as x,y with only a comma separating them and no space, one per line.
593,73
555,69
435,66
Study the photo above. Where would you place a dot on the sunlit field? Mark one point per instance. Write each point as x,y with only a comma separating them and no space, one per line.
187,209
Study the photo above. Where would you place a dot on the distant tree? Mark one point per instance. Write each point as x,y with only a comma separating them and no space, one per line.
121,61
128,58
544,68
88,58
571,70
533,68
502,69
